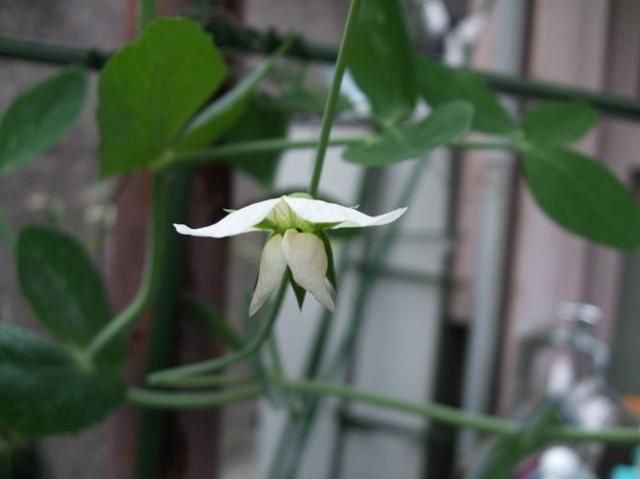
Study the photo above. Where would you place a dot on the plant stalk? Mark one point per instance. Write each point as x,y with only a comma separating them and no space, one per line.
280,144
167,376
151,274
332,97
168,400
460,418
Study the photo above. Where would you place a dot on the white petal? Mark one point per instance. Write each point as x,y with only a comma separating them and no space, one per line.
318,211
307,260
235,223
272,267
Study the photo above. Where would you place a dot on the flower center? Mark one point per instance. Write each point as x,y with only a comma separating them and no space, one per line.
282,218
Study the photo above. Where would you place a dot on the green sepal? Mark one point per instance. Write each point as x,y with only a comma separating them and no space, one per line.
299,291
331,269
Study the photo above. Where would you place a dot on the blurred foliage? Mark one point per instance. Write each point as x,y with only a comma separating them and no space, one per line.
39,117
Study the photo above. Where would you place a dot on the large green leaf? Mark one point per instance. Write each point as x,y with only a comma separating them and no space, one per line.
583,196
43,391
381,61
64,289
444,124
38,118
556,123
439,84
149,89
216,119
261,121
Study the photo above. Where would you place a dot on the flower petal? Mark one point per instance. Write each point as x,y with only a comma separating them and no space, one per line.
307,260
272,268
235,223
318,211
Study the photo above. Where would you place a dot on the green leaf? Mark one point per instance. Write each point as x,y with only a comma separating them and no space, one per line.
263,120
511,449
381,61
444,124
556,123
583,196
439,84
39,117
298,290
216,119
149,89
64,289
43,391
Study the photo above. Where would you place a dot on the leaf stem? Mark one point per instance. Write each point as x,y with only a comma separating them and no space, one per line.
460,418
212,380
428,410
151,274
280,144
170,400
332,97
436,412
218,326
167,376
250,147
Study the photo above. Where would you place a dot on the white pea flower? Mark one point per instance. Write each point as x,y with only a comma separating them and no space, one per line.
297,241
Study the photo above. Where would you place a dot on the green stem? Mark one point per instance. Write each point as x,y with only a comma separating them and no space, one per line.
280,144
151,274
371,274
614,435
276,358
219,327
481,145
167,376
52,53
214,380
332,97
167,400
460,418
436,412
250,147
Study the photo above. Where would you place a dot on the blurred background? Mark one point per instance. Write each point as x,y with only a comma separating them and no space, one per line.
465,303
